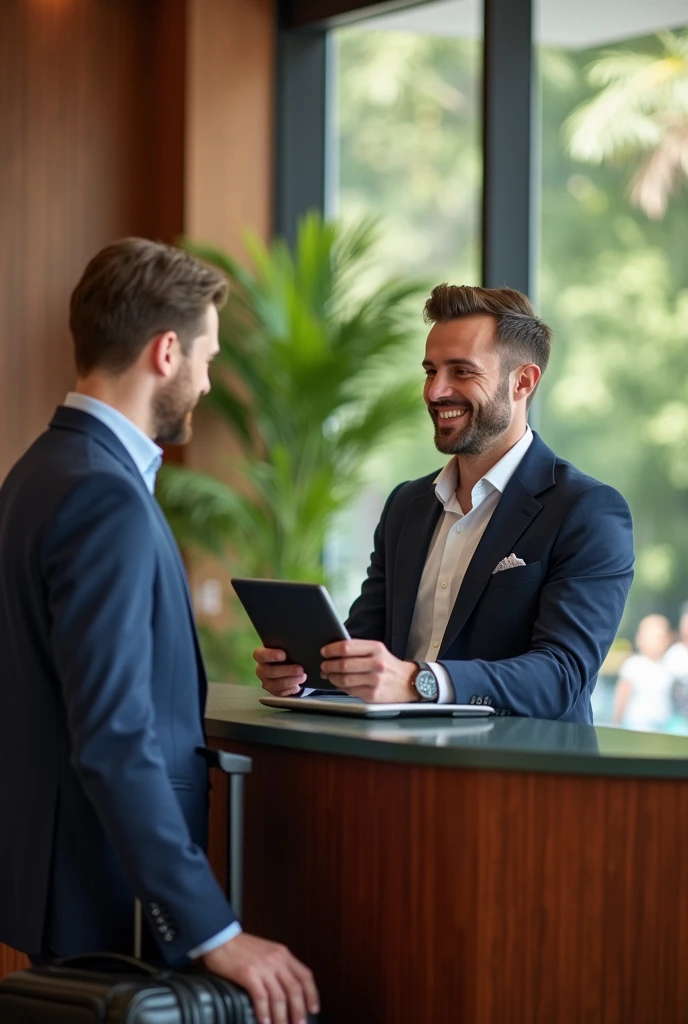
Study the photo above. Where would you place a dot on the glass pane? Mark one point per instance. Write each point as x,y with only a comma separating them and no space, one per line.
407,150
613,282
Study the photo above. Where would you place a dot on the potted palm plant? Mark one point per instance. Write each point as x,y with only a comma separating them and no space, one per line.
302,341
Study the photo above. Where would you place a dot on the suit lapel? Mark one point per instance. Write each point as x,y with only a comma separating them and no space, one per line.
412,550
517,509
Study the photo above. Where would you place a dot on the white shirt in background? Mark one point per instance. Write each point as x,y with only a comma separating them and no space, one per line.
676,660
649,705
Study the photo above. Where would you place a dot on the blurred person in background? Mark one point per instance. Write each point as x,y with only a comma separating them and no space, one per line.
676,661
642,699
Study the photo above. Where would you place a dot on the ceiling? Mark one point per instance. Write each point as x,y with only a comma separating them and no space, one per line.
574,25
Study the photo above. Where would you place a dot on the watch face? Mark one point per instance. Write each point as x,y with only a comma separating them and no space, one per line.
426,684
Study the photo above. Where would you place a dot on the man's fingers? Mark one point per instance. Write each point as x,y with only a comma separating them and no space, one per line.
283,687
351,648
347,666
356,686
307,981
278,999
257,990
264,655
268,671
295,996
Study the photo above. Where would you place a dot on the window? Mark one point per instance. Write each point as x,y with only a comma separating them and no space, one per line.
612,280
407,150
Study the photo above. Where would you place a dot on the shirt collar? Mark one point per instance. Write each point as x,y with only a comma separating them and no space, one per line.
146,454
496,478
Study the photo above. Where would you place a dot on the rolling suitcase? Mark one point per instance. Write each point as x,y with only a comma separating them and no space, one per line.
102,989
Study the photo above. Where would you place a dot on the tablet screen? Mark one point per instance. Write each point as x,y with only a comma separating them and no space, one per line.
299,618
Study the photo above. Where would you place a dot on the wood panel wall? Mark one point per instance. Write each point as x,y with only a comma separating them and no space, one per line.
74,81
118,117
127,117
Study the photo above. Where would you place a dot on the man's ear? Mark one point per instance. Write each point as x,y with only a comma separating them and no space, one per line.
165,354
525,381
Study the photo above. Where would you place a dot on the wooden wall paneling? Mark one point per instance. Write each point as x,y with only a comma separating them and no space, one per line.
166,121
10,961
75,174
231,52
487,897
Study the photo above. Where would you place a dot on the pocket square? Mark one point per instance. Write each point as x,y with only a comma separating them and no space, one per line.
510,562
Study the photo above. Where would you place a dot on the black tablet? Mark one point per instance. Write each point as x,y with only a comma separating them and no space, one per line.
298,618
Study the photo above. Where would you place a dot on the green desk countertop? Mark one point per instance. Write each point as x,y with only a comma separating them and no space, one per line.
517,744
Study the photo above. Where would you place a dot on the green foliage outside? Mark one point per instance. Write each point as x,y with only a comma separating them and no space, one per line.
611,280
302,340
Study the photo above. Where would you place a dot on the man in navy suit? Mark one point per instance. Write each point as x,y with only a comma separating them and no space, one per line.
103,793
502,579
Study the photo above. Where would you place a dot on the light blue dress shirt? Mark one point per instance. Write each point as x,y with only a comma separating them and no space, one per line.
146,453
147,456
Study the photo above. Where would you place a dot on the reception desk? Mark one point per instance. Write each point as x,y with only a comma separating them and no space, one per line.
504,871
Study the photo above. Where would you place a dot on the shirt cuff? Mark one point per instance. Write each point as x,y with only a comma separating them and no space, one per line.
446,693
230,932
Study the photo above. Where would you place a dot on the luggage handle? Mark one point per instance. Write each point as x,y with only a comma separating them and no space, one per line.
235,766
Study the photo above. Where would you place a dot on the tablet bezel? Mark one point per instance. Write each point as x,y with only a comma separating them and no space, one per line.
284,614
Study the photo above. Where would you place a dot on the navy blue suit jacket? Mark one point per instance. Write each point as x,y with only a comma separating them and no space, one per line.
102,692
530,640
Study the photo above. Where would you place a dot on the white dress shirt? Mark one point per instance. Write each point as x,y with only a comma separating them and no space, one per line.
453,545
147,456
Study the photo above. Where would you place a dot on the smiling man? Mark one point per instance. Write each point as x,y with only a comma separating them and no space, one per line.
502,579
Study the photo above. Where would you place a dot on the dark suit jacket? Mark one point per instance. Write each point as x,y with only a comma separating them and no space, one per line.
102,692
529,640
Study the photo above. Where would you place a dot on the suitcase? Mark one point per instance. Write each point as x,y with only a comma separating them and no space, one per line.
102,989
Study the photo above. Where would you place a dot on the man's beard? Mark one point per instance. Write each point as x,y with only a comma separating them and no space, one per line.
172,409
487,422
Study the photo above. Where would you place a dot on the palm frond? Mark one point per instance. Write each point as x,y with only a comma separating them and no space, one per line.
640,111
303,340
661,173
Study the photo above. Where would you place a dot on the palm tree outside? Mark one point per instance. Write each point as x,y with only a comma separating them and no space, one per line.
299,383
639,115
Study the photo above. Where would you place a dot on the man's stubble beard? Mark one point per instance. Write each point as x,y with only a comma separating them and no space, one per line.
172,409
487,423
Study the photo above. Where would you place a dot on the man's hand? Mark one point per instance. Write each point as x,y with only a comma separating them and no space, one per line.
281,988
277,678
366,669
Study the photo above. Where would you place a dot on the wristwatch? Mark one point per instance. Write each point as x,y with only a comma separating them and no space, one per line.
424,682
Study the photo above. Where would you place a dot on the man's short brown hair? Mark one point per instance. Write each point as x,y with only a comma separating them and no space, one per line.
520,333
134,290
